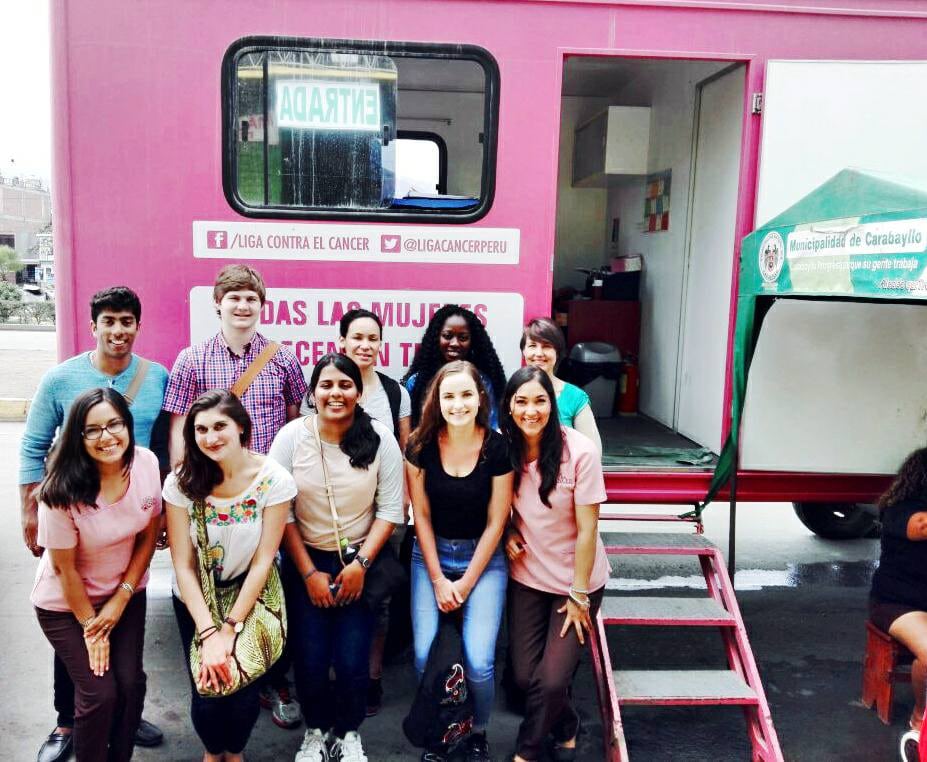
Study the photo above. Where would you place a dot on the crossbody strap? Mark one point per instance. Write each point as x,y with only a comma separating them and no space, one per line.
207,581
135,384
257,365
329,490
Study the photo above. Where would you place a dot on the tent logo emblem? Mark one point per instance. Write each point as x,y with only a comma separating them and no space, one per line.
772,256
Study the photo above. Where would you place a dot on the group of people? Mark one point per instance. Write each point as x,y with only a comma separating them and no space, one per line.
263,471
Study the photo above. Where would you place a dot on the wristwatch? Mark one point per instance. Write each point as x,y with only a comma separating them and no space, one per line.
236,626
362,560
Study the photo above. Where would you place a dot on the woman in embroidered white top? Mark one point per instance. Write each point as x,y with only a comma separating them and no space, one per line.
247,500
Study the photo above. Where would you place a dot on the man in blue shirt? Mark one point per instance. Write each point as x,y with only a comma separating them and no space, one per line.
115,318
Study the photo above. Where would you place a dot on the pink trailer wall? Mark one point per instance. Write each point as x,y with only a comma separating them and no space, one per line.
138,142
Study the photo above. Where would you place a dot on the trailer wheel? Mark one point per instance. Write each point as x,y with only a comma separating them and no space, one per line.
839,521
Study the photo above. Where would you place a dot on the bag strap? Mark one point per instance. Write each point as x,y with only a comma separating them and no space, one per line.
394,397
257,365
329,490
135,384
207,581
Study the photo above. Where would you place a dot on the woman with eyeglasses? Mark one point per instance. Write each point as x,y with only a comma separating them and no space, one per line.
245,499
99,509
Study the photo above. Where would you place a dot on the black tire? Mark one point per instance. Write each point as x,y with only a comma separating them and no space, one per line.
839,521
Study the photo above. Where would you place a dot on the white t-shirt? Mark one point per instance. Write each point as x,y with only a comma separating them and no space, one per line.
377,406
361,494
233,524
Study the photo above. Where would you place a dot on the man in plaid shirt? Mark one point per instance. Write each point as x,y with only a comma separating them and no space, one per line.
273,397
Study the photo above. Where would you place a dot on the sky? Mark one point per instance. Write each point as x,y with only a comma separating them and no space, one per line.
25,89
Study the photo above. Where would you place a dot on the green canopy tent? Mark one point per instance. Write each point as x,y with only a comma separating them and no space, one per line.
858,235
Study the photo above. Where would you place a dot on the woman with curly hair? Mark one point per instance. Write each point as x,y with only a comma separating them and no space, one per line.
455,333
898,599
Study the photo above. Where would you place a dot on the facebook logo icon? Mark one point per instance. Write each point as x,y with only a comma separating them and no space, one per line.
217,239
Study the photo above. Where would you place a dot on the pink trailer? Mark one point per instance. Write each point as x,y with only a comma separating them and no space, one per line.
401,154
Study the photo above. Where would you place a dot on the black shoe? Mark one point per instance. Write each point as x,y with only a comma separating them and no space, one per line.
57,747
434,756
374,697
148,735
478,748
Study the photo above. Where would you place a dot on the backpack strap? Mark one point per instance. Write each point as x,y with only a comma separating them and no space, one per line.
257,365
136,383
394,397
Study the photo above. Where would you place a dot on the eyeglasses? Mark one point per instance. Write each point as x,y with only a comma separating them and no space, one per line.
113,427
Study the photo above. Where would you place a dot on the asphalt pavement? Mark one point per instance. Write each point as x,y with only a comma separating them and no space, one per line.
803,600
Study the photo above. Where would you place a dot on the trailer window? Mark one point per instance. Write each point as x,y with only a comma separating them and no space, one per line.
336,129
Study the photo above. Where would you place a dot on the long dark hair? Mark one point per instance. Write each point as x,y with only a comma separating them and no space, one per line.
428,358
432,422
73,477
199,474
551,438
361,441
910,482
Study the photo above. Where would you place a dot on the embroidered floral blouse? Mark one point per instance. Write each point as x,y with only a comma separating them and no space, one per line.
233,524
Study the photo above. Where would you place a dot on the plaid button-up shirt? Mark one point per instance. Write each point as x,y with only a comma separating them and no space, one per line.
212,365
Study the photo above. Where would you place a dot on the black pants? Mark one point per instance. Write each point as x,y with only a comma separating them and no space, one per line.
223,723
64,694
543,664
107,709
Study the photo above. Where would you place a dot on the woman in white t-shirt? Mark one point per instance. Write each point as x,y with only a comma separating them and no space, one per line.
557,561
330,545
386,401
247,500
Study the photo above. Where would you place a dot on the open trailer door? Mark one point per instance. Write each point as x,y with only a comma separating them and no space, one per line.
831,318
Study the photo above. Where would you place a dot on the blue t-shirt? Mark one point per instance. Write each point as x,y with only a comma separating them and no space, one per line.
487,385
570,402
61,385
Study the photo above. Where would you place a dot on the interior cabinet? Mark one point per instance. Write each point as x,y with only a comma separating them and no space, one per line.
613,144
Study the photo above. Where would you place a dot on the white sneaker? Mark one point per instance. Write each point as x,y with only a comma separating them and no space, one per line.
348,749
314,747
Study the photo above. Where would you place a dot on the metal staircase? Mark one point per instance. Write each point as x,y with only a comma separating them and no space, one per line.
738,685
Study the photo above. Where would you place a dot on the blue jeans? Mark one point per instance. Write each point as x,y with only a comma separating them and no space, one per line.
324,638
482,615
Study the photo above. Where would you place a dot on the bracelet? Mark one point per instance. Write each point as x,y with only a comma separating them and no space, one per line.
128,587
309,574
577,590
86,622
437,579
206,637
211,628
583,604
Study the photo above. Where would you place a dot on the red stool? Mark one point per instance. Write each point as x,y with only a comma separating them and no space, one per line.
887,662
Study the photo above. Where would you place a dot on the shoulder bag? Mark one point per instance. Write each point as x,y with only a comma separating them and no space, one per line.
263,636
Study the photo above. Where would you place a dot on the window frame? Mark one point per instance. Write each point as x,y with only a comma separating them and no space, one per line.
488,138
431,137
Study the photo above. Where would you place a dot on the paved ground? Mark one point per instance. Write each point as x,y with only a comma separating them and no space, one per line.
803,599
24,357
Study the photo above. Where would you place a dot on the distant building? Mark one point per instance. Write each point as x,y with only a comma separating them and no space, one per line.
25,211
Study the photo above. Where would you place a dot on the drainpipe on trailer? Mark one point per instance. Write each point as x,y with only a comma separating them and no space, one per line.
732,524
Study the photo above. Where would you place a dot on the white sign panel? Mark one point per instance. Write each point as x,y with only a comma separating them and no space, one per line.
355,243
328,105
306,320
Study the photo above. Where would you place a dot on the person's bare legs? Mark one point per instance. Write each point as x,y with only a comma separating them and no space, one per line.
911,630
207,757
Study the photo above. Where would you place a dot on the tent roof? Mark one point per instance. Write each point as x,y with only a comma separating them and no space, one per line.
852,193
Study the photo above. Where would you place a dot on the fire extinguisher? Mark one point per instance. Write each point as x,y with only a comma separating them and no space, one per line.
628,387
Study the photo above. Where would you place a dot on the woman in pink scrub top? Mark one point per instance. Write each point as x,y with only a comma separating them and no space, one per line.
99,509
557,561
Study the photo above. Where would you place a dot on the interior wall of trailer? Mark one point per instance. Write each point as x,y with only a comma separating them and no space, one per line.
456,117
580,236
670,92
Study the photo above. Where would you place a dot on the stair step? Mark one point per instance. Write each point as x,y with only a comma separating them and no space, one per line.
656,543
682,687
680,612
